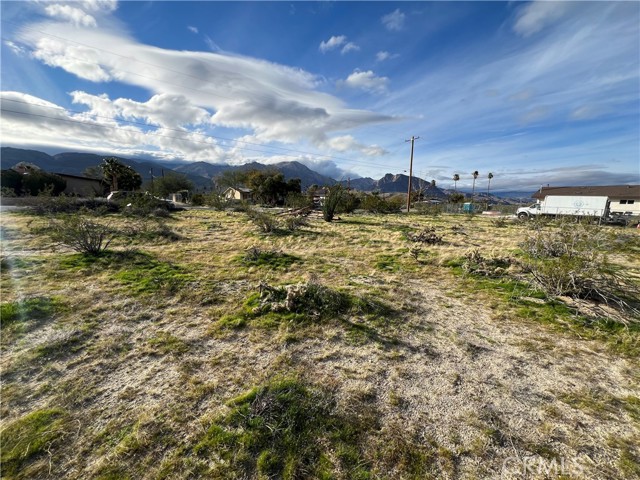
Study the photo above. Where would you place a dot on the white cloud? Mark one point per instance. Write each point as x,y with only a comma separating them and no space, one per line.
366,80
33,121
394,21
333,43
74,15
192,29
383,55
347,143
349,47
537,15
15,48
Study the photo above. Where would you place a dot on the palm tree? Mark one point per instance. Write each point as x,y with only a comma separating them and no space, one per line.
473,191
456,177
490,176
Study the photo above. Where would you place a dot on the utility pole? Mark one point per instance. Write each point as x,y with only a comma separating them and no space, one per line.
413,139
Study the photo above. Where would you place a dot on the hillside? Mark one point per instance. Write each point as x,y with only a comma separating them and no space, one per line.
197,347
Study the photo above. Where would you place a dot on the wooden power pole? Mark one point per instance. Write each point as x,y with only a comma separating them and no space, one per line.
413,139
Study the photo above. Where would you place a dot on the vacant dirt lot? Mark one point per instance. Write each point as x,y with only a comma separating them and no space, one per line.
409,359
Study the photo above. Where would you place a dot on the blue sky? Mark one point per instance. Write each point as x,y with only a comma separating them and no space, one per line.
534,92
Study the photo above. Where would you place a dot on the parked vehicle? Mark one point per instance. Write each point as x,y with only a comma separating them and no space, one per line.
574,206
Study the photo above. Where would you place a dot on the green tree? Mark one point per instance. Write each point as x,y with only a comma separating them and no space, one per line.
331,202
490,176
11,180
119,175
456,197
38,182
170,183
475,176
456,177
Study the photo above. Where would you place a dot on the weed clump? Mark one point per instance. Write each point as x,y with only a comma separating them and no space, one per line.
428,236
477,264
309,298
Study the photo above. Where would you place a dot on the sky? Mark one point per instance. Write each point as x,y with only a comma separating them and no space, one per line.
536,92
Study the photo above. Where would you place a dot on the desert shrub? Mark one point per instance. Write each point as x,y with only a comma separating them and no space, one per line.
295,222
297,200
475,263
141,205
310,298
349,203
331,202
266,222
428,236
374,203
7,192
216,200
197,199
81,234
149,230
571,261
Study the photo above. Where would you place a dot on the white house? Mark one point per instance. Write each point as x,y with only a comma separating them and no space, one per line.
238,193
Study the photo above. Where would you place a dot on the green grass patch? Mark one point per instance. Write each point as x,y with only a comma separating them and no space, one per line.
140,272
37,308
255,257
29,437
388,263
167,344
284,429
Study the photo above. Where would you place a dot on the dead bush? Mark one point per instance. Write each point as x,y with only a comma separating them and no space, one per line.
477,264
428,236
310,298
571,261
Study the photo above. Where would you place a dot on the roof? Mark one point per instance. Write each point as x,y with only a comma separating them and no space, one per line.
614,191
240,189
79,177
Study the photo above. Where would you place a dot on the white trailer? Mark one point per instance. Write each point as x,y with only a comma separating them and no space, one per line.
570,205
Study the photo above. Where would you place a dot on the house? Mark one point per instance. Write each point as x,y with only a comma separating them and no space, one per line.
83,186
238,193
624,199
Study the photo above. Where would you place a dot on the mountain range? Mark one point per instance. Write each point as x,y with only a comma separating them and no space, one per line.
202,173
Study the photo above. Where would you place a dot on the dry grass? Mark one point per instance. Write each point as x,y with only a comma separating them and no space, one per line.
133,360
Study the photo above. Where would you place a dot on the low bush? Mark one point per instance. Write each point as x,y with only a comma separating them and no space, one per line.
374,203
571,261
266,222
477,264
82,235
428,236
